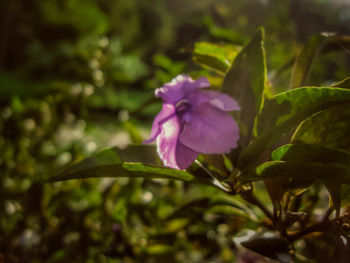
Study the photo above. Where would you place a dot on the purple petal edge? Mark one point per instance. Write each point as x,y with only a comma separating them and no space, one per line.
222,101
167,111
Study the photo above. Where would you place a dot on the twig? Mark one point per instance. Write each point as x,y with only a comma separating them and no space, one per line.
318,227
336,225
215,181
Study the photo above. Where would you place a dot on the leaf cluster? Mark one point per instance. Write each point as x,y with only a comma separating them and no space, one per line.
289,140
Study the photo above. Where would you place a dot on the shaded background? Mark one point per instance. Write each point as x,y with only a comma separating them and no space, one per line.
77,76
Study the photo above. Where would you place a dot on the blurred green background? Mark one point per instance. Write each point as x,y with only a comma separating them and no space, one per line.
78,76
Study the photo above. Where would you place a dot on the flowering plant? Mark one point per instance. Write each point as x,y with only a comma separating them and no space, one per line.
288,141
193,121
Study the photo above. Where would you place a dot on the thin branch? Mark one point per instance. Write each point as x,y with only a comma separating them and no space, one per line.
215,181
338,225
318,227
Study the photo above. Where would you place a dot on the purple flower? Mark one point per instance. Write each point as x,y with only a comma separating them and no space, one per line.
193,121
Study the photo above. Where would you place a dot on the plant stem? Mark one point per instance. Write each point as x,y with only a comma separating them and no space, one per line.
336,225
318,227
251,198
215,181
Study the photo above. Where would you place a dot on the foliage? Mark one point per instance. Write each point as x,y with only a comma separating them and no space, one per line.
78,76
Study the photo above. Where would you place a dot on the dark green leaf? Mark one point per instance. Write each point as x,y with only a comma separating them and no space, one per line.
134,161
223,33
298,171
285,111
301,174
330,127
245,80
272,247
311,153
319,154
213,56
298,104
302,64
276,188
317,44
133,153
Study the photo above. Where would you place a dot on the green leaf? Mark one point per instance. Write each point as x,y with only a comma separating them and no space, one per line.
245,80
311,153
213,56
320,154
317,44
285,111
302,64
276,188
297,172
272,247
330,127
134,161
223,33
298,104
300,174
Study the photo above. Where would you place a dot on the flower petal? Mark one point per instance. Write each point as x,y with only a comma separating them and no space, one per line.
216,99
171,151
167,111
222,101
210,131
201,82
185,156
179,87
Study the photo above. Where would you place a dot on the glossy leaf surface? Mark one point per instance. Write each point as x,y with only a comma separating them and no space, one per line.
285,111
311,153
330,127
134,161
300,174
245,80
214,56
